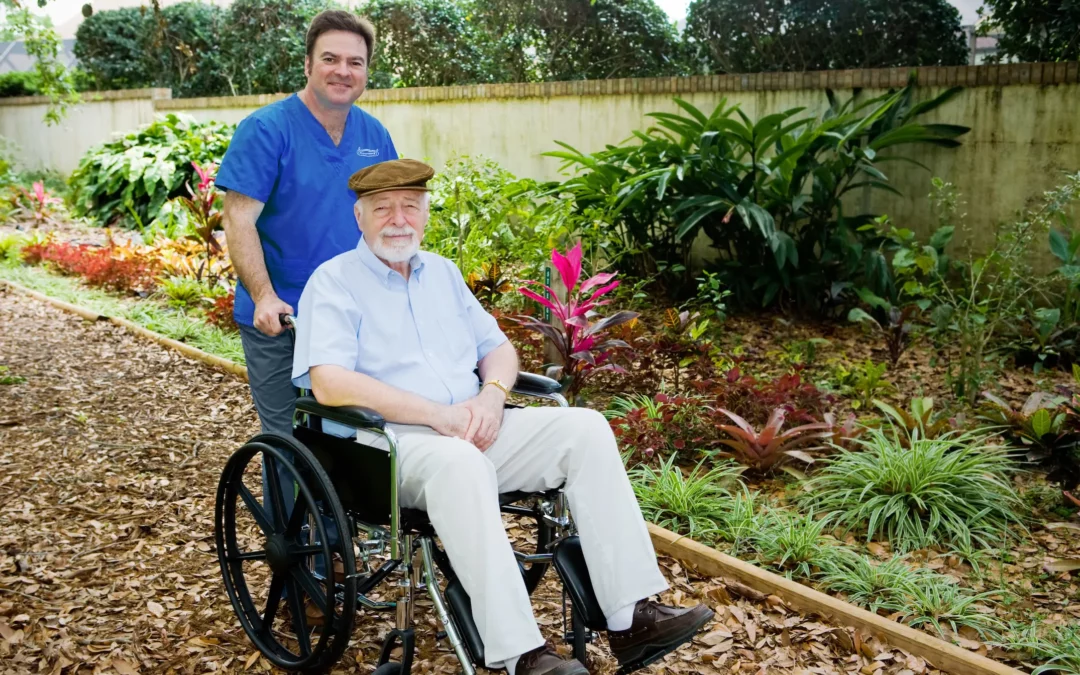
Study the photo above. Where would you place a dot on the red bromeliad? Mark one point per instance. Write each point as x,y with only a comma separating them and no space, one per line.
579,341
768,448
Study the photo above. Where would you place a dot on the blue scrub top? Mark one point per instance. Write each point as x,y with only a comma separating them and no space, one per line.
283,157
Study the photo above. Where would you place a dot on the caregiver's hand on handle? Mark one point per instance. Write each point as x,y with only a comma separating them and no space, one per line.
267,312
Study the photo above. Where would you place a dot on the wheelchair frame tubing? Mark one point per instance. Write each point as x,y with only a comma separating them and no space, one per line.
441,609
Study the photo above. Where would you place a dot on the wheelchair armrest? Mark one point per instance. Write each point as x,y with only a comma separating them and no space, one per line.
529,384
350,415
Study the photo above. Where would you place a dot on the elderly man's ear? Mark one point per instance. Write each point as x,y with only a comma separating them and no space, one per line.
356,212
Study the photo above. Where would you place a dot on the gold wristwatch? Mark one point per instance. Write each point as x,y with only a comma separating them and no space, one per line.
500,385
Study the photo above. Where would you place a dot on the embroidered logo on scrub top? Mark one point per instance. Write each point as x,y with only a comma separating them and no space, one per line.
367,152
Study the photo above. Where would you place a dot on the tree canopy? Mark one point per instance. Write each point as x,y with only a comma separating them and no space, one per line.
740,36
1034,30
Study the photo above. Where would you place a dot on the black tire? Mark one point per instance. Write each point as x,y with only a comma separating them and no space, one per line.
291,563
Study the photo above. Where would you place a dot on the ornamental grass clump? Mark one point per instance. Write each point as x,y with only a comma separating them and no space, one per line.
796,544
949,491
694,504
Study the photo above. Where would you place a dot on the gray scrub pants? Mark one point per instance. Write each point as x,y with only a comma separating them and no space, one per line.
269,364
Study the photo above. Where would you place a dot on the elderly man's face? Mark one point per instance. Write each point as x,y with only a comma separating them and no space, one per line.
393,223
338,69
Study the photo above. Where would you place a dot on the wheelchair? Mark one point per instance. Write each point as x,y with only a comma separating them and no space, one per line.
346,544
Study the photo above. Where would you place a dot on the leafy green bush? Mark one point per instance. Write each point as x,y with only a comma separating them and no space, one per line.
129,179
182,49
953,490
110,46
18,83
279,29
769,194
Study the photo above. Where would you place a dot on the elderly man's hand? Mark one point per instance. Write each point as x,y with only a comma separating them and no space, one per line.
454,420
487,415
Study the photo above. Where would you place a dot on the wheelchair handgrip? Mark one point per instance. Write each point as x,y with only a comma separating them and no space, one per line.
287,320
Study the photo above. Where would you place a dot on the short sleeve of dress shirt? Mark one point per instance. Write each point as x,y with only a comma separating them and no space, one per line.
485,327
250,165
328,326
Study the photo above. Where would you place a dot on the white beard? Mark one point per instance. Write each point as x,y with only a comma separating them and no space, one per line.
394,254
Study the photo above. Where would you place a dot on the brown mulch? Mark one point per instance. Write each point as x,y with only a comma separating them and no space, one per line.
110,452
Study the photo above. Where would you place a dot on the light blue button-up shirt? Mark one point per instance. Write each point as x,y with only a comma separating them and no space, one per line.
425,335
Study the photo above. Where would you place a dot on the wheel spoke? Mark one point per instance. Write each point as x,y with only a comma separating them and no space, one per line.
307,550
300,627
277,584
275,500
296,520
250,555
253,506
314,590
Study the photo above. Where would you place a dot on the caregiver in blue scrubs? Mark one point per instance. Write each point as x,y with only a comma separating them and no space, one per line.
288,207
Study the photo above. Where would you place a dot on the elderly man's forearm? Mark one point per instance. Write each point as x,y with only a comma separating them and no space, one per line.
336,386
500,364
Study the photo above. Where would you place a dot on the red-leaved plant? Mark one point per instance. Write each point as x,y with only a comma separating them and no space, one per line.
202,208
769,448
580,340
40,203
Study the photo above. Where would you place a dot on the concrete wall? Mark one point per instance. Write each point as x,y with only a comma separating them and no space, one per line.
1024,119
101,116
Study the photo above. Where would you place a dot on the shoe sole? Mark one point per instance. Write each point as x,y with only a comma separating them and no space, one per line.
642,656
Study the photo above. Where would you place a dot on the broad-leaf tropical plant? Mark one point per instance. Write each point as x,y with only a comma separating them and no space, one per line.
578,331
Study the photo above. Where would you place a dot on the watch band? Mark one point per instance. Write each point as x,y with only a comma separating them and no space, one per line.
500,385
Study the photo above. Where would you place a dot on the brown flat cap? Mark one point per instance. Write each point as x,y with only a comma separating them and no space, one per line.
397,174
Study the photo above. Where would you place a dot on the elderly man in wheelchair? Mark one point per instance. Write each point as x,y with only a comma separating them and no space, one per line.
403,442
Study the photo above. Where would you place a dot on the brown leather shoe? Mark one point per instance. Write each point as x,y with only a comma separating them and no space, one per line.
657,630
545,661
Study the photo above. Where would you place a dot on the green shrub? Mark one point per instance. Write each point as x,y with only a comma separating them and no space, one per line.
19,83
183,49
129,179
769,194
742,520
278,29
693,504
10,245
953,490
182,292
111,46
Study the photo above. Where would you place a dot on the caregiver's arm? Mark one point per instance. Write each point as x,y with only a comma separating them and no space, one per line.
239,217
337,386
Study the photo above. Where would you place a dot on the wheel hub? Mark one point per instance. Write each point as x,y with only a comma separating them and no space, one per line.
277,554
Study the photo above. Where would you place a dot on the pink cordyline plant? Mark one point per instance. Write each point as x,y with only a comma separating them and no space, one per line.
40,203
202,208
578,332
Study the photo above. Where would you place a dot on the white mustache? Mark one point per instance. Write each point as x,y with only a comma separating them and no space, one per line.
398,232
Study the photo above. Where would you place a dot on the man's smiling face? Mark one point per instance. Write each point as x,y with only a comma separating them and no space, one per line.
337,70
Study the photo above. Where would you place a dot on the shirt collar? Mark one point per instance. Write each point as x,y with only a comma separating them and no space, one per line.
381,269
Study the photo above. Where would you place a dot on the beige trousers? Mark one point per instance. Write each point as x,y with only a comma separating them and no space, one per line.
537,449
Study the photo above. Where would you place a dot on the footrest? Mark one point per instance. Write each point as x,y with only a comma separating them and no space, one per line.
570,564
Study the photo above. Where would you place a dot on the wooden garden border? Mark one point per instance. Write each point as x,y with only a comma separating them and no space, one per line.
942,655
